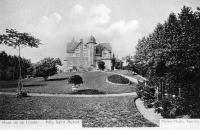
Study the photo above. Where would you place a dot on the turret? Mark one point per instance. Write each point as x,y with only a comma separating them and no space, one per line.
91,46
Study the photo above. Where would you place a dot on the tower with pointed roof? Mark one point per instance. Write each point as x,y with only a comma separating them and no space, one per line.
91,47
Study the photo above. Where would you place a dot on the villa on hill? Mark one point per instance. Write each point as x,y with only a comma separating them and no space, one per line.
87,54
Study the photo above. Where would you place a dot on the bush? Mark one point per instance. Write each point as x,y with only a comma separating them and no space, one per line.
170,107
118,79
75,79
195,111
22,94
149,103
158,107
140,89
146,93
101,65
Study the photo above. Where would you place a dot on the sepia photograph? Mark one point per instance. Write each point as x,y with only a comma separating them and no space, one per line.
100,63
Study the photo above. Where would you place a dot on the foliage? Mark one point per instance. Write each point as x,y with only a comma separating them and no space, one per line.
146,93
75,79
101,65
113,61
9,70
118,64
170,55
140,89
16,39
172,107
47,67
135,67
118,79
22,94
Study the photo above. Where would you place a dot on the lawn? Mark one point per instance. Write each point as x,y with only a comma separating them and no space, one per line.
94,112
59,84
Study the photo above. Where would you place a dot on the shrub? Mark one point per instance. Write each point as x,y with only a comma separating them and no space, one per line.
118,79
75,79
22,94
149,103
195,111
170,107
158,107
101,65
146,93
140,89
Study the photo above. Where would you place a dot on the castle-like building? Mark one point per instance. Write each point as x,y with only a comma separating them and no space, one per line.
86,54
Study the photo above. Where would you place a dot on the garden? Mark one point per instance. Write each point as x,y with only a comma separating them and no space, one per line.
103,111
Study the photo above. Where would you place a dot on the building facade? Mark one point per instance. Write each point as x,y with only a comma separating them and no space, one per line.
86,54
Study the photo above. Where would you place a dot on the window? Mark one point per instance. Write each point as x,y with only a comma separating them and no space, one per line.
77,54
71,54
77,49
85,54
85,47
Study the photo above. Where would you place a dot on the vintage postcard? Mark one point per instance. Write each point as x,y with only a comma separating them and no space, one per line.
74,64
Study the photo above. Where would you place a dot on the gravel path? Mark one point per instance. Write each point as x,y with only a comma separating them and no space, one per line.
70,95
148,113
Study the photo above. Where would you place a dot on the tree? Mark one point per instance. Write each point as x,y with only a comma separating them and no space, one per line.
118,64
9,68
171,55
16,39
101,65
113,61
47,67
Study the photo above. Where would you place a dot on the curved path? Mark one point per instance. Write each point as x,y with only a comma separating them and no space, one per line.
148,113
72,95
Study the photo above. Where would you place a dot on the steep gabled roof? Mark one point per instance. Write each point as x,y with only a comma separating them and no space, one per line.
71,46
105,46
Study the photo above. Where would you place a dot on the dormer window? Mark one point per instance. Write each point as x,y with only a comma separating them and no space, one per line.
85,47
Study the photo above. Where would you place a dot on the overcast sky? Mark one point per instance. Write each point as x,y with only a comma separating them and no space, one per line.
56,22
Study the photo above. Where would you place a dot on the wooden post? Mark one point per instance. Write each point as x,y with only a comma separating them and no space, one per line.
157,93
179,92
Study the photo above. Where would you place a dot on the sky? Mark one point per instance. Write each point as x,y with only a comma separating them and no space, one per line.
56,22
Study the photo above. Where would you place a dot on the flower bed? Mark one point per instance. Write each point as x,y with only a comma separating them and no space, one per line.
118,79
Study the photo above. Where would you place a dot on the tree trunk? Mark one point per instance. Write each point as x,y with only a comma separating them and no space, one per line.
20,84
45,78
